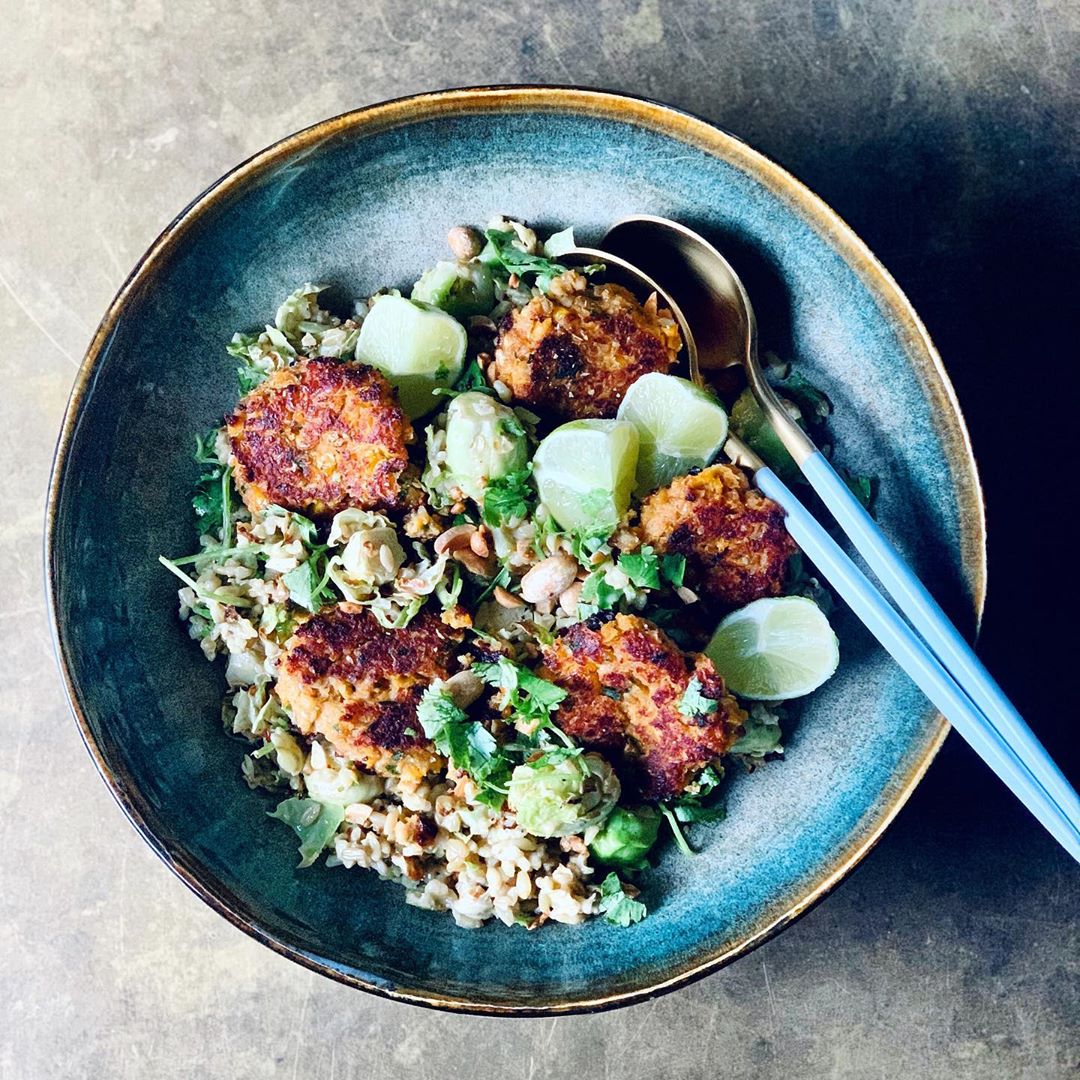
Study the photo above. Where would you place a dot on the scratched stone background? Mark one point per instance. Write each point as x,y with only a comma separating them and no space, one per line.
945,131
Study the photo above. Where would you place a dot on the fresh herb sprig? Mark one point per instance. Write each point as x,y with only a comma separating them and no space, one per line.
466,743
509,498
617,905
531,699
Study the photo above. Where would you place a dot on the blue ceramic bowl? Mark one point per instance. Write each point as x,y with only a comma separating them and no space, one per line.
364,200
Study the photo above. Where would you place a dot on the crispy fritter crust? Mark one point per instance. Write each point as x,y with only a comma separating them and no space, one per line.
357,684
575,352
624,680
319,437
733,537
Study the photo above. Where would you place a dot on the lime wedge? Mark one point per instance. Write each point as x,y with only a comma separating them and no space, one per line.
584,472
775,649
680,427
416,346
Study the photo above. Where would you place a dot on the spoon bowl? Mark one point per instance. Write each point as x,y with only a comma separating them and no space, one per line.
715,304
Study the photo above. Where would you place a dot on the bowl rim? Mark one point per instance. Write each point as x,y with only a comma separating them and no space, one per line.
662,119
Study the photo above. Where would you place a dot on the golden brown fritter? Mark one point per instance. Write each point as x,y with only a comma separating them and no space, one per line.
575,351
624,680
733,537
357,684
319,437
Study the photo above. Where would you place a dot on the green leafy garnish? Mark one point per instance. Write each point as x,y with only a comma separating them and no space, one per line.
509,497
314,822
692,806
761,733
472,378
467,744
502,578
597,594
530,698
245,348
502,249
694,703
676,830
617,905
647,570
690,811
813,403
212,500
864,488
309,583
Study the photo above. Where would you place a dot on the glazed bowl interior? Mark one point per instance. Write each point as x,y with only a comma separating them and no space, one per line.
365,201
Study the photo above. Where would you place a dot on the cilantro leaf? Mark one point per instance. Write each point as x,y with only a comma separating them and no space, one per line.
673,569
212,497
509,497
472,378
618,907
598,594
694,703
642,568
530,698
503,250
315,823
647,570
467,744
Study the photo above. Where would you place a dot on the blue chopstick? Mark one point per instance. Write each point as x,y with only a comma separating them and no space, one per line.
944,640
915,658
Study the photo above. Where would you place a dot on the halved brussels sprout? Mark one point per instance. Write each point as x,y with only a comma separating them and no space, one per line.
563,793
484,441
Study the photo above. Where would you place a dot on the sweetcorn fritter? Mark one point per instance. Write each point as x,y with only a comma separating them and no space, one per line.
733,537
319,437
574,352
625,680
357,683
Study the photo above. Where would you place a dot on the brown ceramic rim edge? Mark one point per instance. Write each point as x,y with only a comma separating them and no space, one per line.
711,139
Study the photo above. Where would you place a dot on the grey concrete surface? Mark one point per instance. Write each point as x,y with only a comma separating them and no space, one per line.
945,131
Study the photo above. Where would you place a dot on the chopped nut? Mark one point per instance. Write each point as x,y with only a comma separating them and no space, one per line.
453,539
549,578
687,596
478,542
570,598
464,241
473,563
421,524
464,687
507,598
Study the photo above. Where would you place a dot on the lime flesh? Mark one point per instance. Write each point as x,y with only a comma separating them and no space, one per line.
585,472
416,346
774,649
680,428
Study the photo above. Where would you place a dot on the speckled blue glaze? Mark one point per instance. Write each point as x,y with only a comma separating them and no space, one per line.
360,208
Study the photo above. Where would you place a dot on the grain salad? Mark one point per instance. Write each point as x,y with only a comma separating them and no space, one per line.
482,591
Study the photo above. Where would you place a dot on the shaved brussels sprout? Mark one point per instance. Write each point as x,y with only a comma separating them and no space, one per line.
372,554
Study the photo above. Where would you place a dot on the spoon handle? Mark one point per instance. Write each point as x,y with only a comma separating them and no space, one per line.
1011,761
935,628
